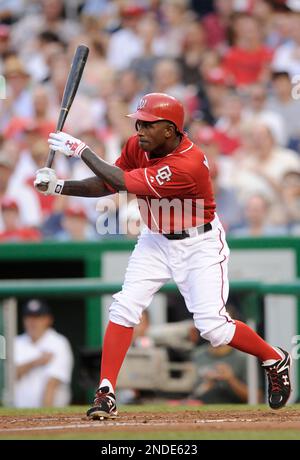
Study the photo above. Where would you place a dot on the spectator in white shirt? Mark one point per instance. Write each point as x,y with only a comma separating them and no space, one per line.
257,110
261,169
287,56
284,104
18,101
125,44
43,361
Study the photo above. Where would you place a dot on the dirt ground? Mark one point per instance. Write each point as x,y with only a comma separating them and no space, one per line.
258,420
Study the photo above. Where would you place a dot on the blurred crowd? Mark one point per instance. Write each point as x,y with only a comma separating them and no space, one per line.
235,65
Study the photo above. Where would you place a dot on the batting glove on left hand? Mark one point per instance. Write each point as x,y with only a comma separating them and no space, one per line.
46,177
66,144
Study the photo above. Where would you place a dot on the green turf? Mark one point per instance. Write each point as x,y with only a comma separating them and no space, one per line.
164,435
158,435
43,411
135,408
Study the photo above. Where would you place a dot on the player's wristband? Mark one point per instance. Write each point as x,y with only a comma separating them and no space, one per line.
59,187
80,149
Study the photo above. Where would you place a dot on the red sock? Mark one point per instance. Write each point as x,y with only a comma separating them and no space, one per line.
116,342
245,339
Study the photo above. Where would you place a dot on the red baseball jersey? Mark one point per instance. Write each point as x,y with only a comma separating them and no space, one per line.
174,192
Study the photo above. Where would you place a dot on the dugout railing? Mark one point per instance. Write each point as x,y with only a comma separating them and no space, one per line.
250,294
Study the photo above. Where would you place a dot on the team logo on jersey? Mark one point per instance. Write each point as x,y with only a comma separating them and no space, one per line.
142,104
163,175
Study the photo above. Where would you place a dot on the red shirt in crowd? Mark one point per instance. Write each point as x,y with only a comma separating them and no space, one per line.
245,66
216,32
182,176
20,234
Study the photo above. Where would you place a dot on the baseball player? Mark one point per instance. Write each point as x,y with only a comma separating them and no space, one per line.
158,164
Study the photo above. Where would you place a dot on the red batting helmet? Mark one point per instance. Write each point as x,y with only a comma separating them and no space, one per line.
160,106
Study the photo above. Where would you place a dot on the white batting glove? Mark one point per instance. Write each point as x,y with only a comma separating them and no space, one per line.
46,178
66,144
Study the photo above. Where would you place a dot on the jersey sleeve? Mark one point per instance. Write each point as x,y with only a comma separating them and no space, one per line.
159,182
126,159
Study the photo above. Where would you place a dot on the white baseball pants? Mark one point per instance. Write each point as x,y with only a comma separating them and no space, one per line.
198,265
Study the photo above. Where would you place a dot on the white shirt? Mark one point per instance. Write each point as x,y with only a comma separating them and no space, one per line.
29,390
25,169
247,182
286,58
124,46
30,212
274,121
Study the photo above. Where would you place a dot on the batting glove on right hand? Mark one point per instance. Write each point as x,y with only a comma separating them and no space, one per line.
67,144
47,183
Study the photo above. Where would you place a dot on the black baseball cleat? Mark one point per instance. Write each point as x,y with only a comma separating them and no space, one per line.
279,388
104,406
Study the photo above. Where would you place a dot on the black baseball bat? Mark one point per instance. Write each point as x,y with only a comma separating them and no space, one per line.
72,83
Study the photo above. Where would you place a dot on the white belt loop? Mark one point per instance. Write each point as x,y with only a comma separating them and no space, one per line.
215,222
193,231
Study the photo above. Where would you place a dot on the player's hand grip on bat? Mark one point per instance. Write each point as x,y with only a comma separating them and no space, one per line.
47,176
66,144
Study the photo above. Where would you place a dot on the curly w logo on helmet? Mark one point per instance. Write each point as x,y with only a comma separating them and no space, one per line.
159,106
142,104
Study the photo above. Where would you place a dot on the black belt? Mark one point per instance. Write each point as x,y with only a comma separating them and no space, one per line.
181,236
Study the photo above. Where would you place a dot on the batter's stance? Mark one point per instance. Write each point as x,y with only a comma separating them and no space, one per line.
160,162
